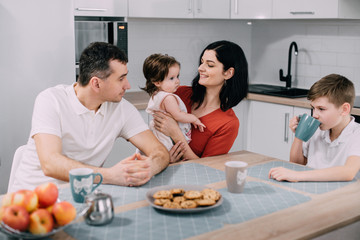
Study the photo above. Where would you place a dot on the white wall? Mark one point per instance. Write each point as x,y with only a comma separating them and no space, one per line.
324,47
36,52
182,39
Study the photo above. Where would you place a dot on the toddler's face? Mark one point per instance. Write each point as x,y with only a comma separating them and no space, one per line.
171,81
326,112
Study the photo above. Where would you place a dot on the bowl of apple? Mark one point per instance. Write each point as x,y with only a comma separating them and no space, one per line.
35,214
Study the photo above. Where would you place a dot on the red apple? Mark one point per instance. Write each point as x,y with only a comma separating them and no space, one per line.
7,199
16,217
47,194
49,209
41,222
2,210
27,199
64,212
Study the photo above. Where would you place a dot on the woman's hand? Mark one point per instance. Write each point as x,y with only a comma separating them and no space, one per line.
165,123
177,152
294,122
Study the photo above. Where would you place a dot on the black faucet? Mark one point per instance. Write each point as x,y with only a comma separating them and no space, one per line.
287,78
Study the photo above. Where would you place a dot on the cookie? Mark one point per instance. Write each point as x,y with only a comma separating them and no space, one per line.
161,201
163,194
192,194
177,191
188,204
179,199
209,193
172,205
205,202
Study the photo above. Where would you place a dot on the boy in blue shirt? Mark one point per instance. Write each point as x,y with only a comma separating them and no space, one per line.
334,150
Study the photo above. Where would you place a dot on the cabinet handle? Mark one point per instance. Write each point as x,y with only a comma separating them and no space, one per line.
199,6
303,13
91,9
190,3
236,7
286,132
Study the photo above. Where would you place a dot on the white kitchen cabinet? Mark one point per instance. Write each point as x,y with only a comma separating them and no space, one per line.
268,128
316,9
102,8
218,9
241,112
251,9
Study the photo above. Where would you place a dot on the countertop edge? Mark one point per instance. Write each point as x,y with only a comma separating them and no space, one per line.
140,100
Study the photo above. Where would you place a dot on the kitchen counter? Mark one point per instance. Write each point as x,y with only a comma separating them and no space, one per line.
140,100
267,209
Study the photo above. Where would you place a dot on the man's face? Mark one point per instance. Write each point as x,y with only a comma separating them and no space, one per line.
114,87
327,113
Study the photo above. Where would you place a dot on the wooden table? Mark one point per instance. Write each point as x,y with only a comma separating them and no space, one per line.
321,214
324,213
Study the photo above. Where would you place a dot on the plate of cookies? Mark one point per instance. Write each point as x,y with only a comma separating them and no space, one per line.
184,198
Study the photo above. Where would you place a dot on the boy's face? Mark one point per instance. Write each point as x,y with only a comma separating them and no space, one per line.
327,113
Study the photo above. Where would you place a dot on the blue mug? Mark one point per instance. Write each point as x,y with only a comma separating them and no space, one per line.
82,183
307,127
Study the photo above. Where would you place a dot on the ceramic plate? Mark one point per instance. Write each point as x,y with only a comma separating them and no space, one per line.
150,199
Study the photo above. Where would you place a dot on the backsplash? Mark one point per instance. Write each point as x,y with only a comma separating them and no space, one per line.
325,47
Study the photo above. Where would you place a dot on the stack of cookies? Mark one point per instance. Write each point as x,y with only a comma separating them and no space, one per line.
180,199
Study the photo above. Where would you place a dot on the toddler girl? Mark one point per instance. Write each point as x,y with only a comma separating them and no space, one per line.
162,80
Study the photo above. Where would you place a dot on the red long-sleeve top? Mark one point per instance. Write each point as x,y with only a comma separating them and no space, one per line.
220,132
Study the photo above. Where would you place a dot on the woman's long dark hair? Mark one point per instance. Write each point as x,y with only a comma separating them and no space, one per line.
235,89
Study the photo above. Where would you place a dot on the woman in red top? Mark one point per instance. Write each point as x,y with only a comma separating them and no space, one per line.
221,83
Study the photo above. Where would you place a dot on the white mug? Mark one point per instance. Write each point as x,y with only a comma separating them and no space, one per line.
236,172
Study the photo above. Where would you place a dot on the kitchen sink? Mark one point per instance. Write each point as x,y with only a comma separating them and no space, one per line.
278,91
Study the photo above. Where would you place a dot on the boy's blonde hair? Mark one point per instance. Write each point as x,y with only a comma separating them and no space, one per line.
338,89
156,68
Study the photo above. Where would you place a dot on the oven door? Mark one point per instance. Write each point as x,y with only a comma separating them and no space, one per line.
87,32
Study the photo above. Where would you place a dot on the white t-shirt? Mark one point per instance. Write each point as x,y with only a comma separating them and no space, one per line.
322,153
86,136
154,105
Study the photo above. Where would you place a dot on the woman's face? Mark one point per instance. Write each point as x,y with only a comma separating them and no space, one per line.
211,70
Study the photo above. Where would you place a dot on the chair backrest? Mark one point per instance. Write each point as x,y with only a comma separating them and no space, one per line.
15,164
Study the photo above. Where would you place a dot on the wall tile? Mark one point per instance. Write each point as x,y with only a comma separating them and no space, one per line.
325,46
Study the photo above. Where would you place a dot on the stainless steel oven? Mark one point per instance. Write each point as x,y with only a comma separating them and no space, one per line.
113,30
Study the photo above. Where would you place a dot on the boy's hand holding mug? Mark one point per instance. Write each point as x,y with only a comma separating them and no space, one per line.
304,126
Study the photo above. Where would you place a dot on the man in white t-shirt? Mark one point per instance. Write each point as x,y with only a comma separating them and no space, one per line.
76,126
334,150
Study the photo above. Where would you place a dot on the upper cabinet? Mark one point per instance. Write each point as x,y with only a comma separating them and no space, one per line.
216,9
101,8
316,9
219,9
251,9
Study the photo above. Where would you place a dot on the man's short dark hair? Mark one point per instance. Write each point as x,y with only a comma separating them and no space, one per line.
95,59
